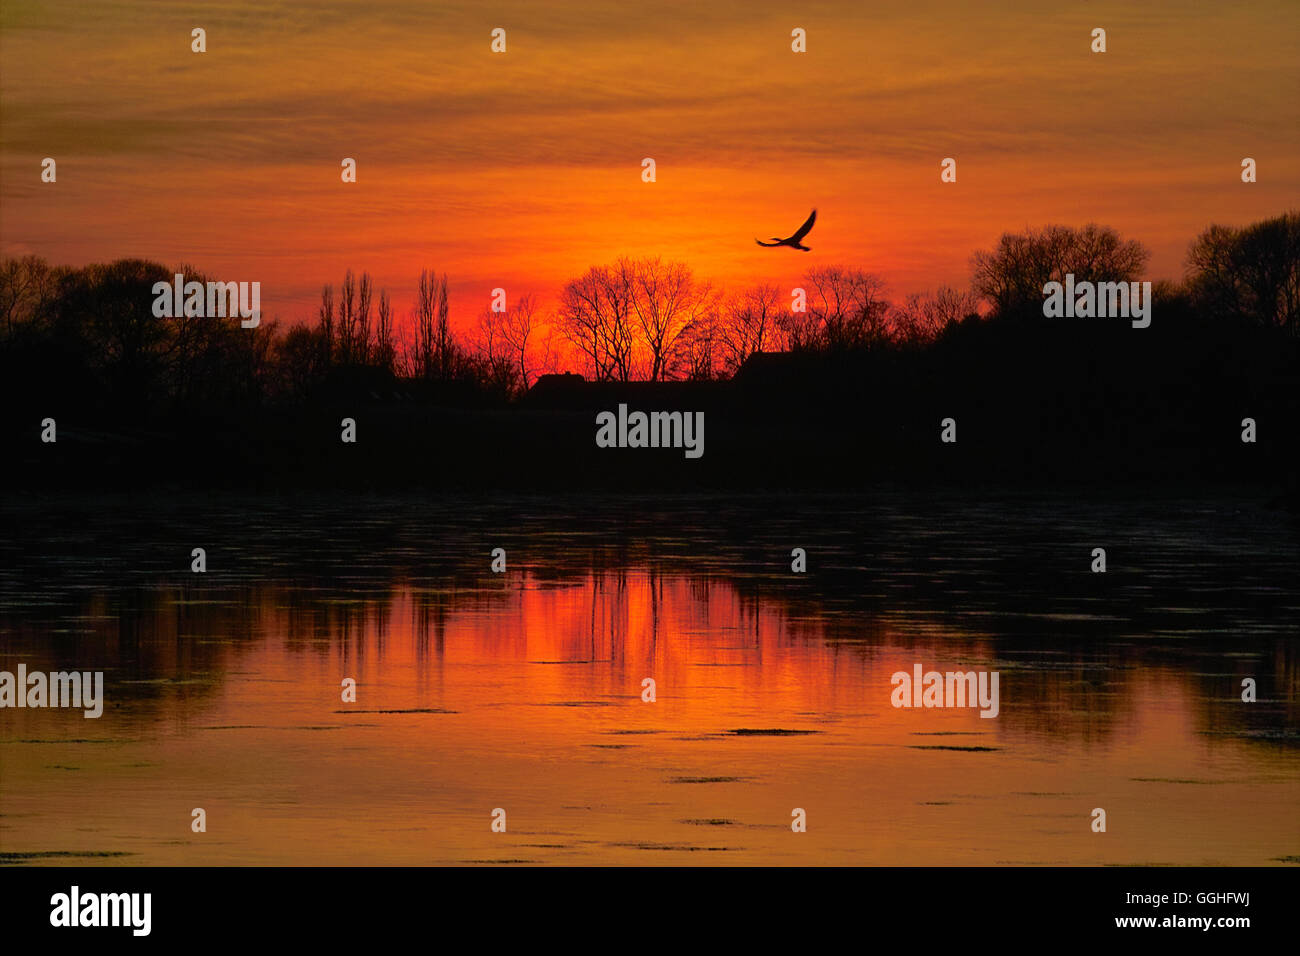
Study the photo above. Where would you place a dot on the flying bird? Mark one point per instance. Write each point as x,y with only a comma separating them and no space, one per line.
795,241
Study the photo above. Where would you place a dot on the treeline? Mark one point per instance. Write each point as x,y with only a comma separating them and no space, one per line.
647,320
88,336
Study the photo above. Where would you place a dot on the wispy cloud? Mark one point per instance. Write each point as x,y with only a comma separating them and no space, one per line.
527,164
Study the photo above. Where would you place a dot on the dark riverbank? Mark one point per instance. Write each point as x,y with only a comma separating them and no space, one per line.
1097,405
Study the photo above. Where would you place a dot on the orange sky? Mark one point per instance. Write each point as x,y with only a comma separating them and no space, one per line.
523,169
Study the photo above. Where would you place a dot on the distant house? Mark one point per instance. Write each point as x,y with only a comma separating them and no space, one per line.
554,380
569,390
556,389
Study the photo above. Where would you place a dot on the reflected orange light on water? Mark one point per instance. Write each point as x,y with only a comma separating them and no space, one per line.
527,696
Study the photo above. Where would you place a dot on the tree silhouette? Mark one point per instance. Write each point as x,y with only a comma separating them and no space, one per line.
595,316
1251,274
1012,275
87,337
750,323
921,317
667,300
433,355
846,309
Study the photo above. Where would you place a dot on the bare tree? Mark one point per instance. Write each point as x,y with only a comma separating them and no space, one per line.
442,334
361,335
28,290
627,319
594,316
696,357
1011,276
667,300
750,323
385,347
1250,274
495,357
431,352
546,350
519,326
923,316
846,309
347,318
326,316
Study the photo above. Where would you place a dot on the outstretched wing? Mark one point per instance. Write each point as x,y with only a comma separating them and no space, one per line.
803,230
761,243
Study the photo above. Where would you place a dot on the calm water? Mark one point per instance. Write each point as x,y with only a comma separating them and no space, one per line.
522,690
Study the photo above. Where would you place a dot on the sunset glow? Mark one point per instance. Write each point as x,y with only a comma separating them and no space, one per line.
522,170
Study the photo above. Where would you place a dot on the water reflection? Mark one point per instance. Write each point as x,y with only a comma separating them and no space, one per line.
523,690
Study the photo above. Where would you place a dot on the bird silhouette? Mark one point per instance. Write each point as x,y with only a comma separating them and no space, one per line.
794,242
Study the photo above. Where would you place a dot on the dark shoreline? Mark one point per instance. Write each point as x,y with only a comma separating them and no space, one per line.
522,450
1033,406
